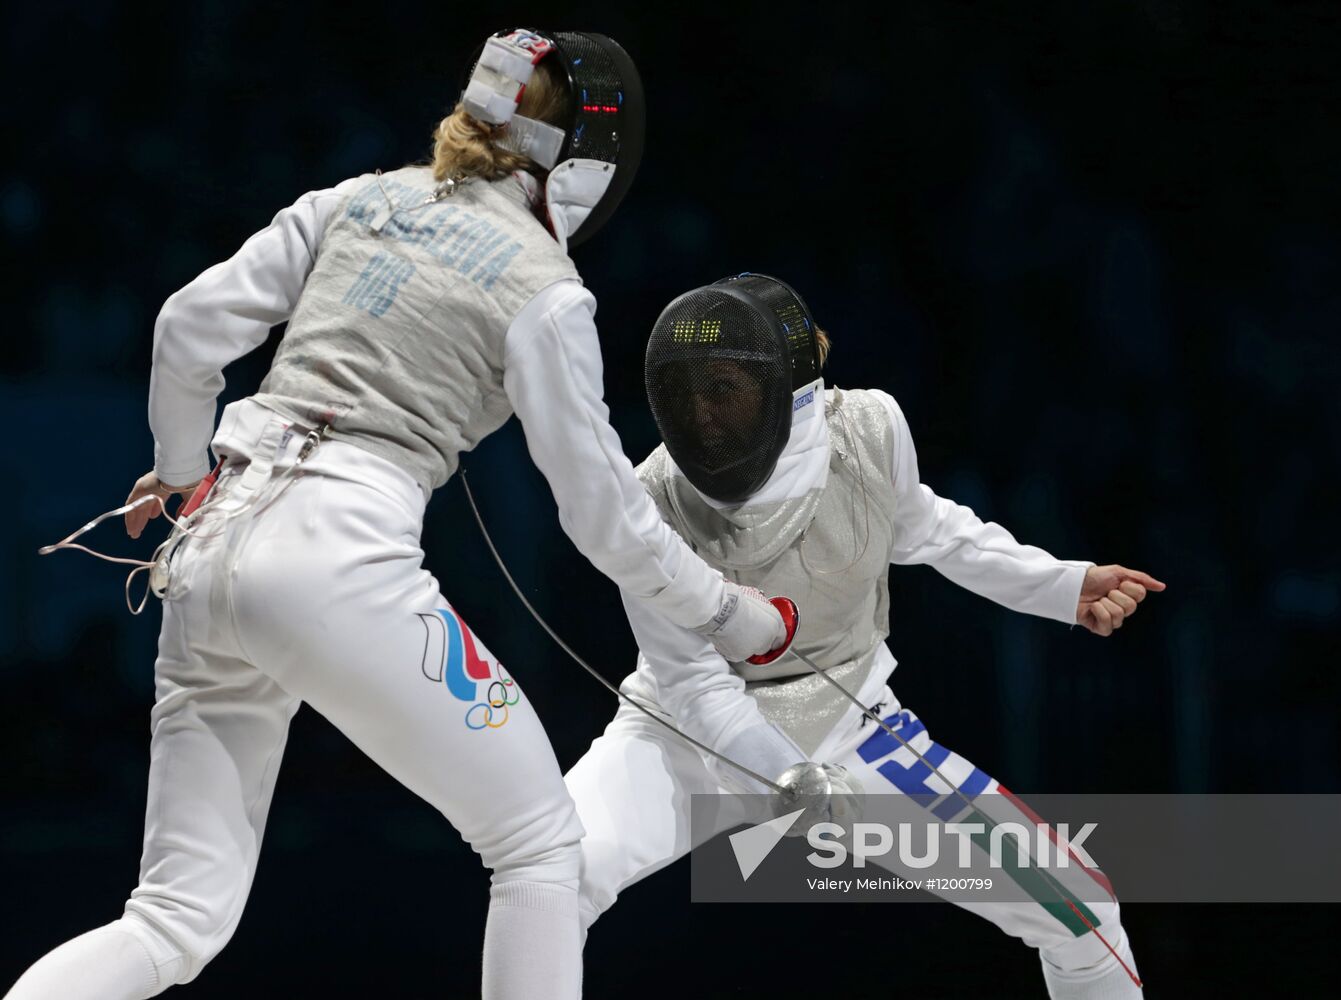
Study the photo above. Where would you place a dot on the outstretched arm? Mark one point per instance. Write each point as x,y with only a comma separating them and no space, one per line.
986,558
707,700
980,556
552,375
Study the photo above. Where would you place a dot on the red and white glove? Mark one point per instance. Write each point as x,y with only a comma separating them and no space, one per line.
745,625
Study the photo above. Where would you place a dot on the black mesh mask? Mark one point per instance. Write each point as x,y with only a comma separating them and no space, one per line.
603,124
609,116
722,364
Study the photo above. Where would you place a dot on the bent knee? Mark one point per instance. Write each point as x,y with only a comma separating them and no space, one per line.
556,863
1091,947
181,937
543,848
604,874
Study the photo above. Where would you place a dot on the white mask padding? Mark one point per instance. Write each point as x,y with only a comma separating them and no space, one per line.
572,191
496,84
536,139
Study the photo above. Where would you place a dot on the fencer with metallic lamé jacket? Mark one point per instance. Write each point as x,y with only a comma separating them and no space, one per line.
398,339
416,326
844,503
828,549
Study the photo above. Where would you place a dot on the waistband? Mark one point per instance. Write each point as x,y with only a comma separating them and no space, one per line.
264,440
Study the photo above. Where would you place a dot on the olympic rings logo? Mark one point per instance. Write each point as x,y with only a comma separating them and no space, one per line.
502,693
451,658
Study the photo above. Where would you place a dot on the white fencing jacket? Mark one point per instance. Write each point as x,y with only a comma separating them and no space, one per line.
708,698
551,374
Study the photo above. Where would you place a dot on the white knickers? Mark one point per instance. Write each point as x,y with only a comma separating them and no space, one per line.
318,593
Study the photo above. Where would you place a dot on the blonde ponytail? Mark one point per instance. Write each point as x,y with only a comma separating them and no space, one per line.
463,145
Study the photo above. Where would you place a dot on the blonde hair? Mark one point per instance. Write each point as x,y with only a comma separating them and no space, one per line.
463,145
822,343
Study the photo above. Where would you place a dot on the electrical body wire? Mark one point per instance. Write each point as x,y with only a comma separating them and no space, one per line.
869,713
479,519
182,526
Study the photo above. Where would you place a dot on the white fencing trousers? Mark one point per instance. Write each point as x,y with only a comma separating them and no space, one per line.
318,594
633,788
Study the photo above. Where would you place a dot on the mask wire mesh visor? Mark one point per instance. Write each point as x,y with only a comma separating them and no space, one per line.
719,374
792,313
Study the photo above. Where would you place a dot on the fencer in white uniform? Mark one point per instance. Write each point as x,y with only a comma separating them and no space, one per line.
792,488
424,306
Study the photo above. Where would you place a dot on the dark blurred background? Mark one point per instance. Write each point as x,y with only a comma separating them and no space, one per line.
1092,249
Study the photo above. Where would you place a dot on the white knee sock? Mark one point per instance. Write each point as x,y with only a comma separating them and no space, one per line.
108,963
1105,980
532,942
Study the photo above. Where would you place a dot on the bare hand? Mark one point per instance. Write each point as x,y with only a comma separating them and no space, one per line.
1110,595
148,485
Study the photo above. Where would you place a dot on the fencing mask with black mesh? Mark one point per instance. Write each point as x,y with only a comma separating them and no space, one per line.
593,154
726,364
